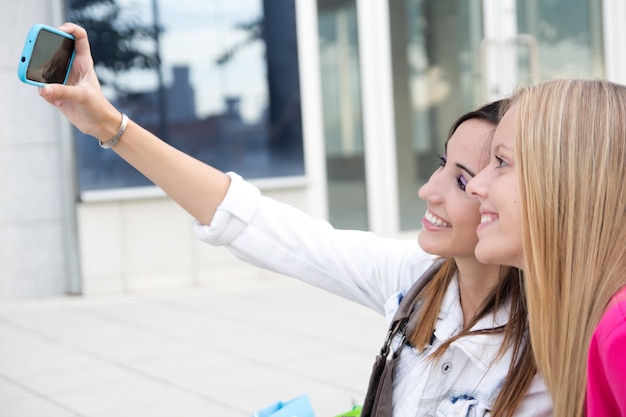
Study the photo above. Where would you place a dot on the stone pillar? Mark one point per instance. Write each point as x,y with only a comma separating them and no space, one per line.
38,255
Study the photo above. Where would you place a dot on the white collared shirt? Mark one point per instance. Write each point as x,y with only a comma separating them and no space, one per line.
375,272
466,380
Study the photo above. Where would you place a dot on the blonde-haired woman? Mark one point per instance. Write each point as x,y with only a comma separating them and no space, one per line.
553,203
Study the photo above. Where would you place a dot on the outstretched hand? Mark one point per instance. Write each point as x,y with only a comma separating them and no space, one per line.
81,99
82,102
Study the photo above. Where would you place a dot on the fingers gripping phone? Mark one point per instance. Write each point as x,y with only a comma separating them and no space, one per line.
47,56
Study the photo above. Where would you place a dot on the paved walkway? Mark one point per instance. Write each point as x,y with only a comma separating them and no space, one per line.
201,351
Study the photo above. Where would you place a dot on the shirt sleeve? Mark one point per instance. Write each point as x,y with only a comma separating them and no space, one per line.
606,385
354,264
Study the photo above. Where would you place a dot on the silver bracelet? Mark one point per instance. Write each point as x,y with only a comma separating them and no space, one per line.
118,135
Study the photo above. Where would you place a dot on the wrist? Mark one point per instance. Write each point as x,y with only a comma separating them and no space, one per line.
107,144
106,123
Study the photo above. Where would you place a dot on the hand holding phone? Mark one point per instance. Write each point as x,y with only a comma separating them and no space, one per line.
47,56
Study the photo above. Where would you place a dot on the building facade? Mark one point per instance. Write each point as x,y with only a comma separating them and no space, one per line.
378,83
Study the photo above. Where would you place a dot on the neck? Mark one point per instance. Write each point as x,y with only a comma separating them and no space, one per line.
476,281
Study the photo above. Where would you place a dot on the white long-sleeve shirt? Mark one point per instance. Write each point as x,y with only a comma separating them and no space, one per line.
375,272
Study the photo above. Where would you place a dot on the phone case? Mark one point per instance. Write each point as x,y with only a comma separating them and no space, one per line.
29,49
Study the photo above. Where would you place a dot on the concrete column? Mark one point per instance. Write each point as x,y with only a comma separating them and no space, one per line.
37,192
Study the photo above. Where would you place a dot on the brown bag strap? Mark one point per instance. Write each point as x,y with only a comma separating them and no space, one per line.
378,400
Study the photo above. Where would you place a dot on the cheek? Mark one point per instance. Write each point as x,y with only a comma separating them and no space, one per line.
467,215
515,216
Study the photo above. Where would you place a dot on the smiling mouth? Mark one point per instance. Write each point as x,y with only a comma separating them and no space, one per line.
435,221
487,218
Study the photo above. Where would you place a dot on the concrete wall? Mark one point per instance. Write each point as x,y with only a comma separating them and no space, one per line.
138,243
34,220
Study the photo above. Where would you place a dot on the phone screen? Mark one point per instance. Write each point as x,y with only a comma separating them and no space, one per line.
51,57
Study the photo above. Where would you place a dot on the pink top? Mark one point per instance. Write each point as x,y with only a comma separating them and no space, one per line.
606,373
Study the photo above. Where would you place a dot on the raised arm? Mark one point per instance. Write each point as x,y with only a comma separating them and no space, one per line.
194,185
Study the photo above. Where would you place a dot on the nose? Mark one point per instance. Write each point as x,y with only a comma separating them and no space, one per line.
478,185
429,191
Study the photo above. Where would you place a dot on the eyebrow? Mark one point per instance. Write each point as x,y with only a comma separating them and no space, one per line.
500,146
466,169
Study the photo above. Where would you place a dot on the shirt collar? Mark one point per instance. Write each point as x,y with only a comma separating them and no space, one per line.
482,349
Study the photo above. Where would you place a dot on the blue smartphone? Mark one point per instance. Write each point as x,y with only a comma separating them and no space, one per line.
47,56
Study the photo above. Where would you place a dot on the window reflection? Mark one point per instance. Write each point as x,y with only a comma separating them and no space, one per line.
435,48
228,91
341,104
568,34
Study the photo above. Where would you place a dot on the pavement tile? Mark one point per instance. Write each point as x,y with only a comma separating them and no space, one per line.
187,351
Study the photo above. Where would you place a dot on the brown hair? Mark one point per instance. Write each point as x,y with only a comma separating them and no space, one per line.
522,368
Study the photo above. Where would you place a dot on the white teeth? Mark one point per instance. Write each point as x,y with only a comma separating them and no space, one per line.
486,218
434,220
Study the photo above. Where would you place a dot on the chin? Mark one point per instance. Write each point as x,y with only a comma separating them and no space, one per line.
437,249
495,256
485,255
427,244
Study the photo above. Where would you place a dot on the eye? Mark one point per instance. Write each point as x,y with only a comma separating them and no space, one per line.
501,162
462,181
442,160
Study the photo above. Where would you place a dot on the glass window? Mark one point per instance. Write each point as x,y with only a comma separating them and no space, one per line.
341,103
436,60
218,79
566,38
438,72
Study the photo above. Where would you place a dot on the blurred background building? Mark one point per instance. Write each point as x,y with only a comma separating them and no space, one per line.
338,107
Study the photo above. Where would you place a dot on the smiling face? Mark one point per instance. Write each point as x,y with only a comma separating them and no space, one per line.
451,218
497,190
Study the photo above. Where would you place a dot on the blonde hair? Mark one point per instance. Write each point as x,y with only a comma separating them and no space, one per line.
571,165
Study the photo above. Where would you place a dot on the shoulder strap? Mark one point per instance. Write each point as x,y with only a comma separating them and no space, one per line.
408,301
407,304
377,402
